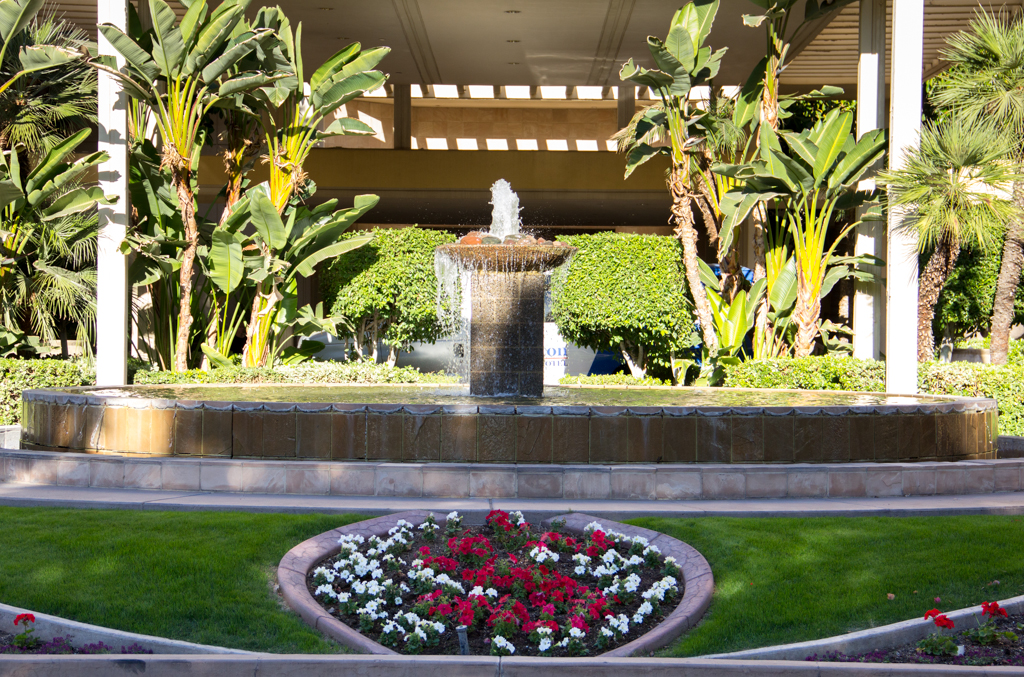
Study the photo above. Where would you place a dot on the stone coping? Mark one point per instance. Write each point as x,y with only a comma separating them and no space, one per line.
664,482
266,665
47,627
872,639
698,581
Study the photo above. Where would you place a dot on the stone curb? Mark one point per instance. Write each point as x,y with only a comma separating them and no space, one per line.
863,641
47,627
664,483
265,665
299,561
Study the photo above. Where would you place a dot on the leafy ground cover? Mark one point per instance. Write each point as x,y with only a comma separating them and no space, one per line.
206,577
200,577
783,580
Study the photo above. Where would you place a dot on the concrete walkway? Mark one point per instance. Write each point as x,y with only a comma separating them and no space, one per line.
475,508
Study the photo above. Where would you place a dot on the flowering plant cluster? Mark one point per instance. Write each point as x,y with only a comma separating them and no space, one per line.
516,590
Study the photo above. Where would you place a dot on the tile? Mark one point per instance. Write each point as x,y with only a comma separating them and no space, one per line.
137,423
808,438
421,437
247,434
908,438
714,439
680,439
778,439
93,434
950,481
393,479
979,480
188,432
217,435
671,485
580,484
161,433
180,476
264,478
458,437
540,484
445,483
313,435
761,484
106,474
220,477
747,439
384,437
608,435
348,436
928,442
718,485
918,482
352,479
115,433
1007,478
836,433
645,439
533,439
492,484
862,438
628,484
279,434
807,484
886,437
73,473
142,475
883,483
570,437
307,479
497,439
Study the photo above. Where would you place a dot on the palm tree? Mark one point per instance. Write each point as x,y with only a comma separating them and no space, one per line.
986,83
42,108
954,183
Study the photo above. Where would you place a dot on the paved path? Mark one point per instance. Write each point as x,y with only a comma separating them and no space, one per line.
475,508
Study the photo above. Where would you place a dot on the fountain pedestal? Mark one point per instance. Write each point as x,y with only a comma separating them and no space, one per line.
506,289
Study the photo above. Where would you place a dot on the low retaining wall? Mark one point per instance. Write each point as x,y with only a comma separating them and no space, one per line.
863,641
698,583
492,480
47,627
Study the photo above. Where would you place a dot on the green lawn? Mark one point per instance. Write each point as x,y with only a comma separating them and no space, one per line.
204,577
196,576
791,580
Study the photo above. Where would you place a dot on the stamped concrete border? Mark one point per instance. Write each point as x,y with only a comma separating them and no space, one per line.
872,639
47,627
299,561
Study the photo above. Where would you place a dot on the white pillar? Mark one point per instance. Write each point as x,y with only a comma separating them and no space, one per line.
112,319
904,133
869,297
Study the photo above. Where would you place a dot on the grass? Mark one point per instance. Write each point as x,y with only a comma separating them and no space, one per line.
205,576
786,580
195,576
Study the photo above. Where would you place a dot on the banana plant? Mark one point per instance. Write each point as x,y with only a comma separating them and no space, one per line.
282,250
15,15
683,62
806,183
181,70
33,207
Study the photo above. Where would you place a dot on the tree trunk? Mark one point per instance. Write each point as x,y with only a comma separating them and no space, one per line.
253,341
393,356
634,362
805,314
687,234
759,218
181,177
933,279
1006,285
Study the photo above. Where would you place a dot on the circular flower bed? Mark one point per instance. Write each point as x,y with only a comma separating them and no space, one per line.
511,589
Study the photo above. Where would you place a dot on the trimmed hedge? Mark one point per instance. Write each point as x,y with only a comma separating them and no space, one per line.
17,375
310,372
965,379
619,379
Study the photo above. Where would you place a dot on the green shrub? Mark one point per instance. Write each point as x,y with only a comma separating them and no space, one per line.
966,379
387,289
612,380
625,293
967,297
17,375
1015,355
309,372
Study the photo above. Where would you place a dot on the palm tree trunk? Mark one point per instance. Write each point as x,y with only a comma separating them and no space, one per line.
806,315
181,178
933,279
683,214
1006,285
759,219
635,362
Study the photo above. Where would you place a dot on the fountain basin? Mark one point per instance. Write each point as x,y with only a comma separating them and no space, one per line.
570,425
508,258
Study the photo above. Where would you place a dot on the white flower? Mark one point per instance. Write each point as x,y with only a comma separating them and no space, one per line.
478,591
651,548
635,560
404,587
439,627
518,517
543,630
453,515
576,633
491,592
398,601
541,555
503,643
641,540
607,633
632,583
593,526
564,643
544,645
580,570
326,591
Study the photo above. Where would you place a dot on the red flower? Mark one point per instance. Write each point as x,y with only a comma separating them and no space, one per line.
548,609
24,618
592,551
931,614
992,609
578,622
425,551
942,621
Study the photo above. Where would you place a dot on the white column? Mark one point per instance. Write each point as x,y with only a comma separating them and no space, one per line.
904,133
112,319
869,297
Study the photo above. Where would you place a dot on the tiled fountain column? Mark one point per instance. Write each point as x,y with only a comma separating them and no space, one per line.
507,333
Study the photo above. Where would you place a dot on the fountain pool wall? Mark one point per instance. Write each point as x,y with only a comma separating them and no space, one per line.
595,426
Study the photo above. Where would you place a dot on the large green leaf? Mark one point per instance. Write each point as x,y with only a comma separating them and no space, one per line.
340,221
169,50
859,159
800,145
307,265
706,11
226,264
341,92
364,61
241,47
193,19
266,220
784,286
834,133
15,15
640,154
333,65
76,202
346,126
656,80
138,58
245,82
748,104
215,33
40,57
54,160
217,358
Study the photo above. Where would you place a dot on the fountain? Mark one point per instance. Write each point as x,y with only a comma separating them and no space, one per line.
502,273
